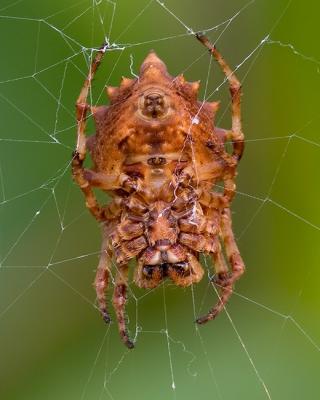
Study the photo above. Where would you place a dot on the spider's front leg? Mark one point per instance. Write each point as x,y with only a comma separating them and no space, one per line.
224,288
119,302
121,279
225,279
80,153
231,248
102,277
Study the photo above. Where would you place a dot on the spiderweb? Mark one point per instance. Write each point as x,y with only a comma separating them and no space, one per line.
53,344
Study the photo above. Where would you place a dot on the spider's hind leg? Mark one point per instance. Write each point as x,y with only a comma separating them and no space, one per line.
80,153
235,91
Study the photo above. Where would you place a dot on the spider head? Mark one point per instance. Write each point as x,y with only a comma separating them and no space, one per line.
166,270
152,275
167,261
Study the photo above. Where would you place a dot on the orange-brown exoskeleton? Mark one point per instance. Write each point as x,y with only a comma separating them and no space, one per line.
158,154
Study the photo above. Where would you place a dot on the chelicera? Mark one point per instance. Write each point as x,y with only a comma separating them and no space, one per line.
158,154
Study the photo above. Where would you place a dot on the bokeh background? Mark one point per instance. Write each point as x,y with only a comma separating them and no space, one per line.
53,344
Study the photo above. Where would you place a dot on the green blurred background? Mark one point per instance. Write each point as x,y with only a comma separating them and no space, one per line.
53,344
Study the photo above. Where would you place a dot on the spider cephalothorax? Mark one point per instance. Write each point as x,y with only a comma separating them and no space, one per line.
158,154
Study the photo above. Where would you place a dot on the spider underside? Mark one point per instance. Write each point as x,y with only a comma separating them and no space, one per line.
157,153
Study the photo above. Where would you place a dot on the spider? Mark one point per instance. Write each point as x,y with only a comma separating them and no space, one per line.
157,153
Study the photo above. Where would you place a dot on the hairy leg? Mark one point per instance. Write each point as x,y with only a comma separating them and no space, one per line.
224,291
102,278
82,107
231,247
119,302
235,91
80,152
223,279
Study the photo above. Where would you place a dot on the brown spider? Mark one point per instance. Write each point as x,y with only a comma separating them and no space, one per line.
157,153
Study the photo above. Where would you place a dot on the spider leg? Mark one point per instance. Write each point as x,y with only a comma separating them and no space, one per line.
229,186
231,248
80,152
225,280
78,176
235,91
119,302
110,182
225,291
102,278
223,134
